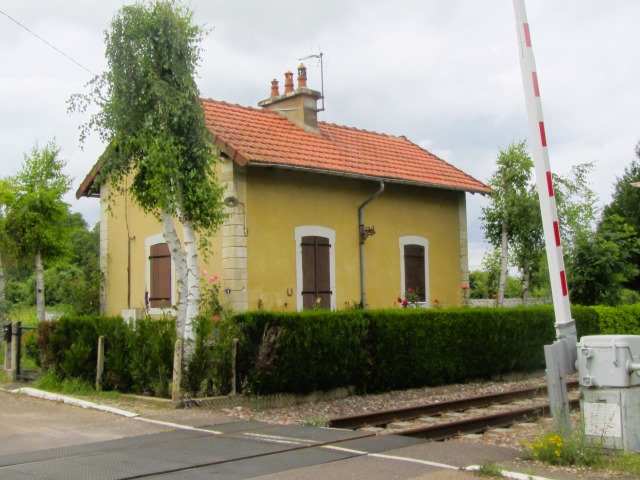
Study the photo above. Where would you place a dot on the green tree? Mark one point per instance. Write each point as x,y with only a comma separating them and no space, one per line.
577,205
152,119
508,214
484,283
513,221
625,202
528,240
602,263
34,211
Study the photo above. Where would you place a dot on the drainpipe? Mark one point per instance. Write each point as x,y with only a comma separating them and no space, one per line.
363,237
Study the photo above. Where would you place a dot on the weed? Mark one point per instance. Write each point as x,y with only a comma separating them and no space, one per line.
71,386
316,421
627,462
489,470
560,449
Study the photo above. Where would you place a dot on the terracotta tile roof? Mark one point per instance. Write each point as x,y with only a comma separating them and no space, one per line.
262,137
252,136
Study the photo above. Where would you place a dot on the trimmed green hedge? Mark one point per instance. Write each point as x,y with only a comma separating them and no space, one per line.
623,320
379,350
138,358
373,350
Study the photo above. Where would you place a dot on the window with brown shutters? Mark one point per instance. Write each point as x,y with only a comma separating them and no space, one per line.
414,270
160,276
316,272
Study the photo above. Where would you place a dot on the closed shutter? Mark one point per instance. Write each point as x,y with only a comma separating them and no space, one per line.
316,274
414,274
160,269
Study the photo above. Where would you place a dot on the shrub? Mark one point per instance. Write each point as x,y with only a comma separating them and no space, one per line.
137,359
378,350
199,366
623,320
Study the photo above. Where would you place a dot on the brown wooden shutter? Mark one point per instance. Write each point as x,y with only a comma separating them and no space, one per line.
316,272
414,274
160,268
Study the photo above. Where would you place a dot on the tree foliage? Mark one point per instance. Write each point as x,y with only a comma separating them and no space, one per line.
151,117
577,205
510,219
514,214
603,262
34,210
625,203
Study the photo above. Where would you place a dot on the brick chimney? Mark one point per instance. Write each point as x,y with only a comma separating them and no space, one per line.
299,106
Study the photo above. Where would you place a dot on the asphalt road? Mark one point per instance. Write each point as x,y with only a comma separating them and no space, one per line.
51,440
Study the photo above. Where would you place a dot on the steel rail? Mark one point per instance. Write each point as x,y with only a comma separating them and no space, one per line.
481,423
408,413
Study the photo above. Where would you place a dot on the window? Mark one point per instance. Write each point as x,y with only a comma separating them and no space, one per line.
160,275
315,267
414,266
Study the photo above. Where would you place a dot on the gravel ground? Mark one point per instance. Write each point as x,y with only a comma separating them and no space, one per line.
317,412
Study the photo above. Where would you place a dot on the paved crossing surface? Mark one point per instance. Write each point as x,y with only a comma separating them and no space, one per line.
231,451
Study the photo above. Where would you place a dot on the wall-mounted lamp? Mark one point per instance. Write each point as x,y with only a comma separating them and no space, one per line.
233,202
366,232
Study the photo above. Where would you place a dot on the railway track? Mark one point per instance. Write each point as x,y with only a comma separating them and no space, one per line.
477,411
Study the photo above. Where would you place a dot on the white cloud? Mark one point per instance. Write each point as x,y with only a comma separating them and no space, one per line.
446,71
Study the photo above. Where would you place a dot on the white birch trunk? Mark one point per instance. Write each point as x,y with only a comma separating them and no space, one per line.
193,278
180,265
504,257
39,288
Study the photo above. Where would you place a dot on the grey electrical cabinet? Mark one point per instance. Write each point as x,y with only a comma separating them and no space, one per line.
610,390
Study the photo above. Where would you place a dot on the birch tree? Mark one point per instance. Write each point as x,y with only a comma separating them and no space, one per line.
34,211
508,210
160,151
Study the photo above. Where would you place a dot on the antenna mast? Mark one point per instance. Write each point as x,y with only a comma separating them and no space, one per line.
319,56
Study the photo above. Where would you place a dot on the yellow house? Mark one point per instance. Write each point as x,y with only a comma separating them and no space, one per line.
319,214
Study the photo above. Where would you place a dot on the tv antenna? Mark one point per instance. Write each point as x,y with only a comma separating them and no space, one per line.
319,56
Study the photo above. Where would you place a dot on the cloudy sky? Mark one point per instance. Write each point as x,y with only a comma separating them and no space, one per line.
444,73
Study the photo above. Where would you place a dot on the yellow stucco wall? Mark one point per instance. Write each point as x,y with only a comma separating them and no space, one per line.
278,201
126,220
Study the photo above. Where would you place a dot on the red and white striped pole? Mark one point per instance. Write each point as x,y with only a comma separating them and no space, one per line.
561,356
538,141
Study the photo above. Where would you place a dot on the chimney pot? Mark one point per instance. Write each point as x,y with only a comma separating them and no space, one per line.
275,90
288,82
302,76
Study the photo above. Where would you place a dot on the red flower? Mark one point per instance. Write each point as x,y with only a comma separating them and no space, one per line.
410,290
399,299
436,301
405,304
465,287
215,318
